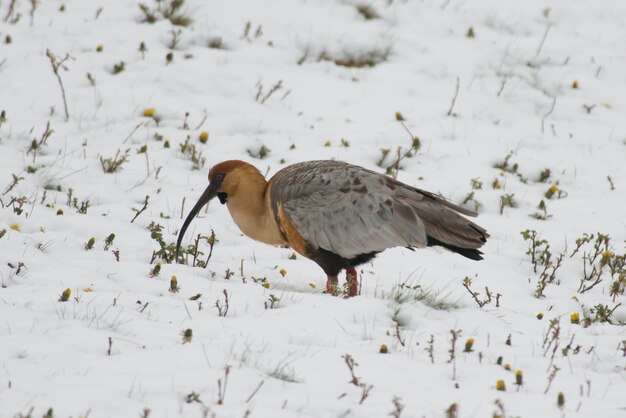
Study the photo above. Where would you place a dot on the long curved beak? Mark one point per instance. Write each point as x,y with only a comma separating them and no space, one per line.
209,193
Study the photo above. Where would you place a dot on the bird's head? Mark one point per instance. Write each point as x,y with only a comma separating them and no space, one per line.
224,181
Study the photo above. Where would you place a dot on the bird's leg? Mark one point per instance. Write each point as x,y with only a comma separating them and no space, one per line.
353,282
331,285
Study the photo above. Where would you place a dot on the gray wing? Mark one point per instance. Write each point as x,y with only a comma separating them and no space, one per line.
349,210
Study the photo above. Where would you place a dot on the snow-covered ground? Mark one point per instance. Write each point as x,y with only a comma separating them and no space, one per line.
277,82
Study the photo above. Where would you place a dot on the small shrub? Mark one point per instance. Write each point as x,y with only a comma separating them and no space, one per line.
119,67
367,11
171,10
114,164
191,153
261,153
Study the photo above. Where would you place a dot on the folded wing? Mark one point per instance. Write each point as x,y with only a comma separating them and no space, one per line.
349,210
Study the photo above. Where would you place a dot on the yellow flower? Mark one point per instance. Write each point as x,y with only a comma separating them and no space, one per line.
187,335
15,227
519,377
282,272
384,349
574,318
507,366
87,290
204,137
468,345
65,295
551,191
500,385
313,285
540,315
149,112
606,257
266,285
156,270
174,284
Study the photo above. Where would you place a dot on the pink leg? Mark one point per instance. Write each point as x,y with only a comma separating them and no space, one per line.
331,285
352,279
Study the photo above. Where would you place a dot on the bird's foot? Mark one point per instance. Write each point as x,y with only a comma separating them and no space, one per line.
352,280
331,285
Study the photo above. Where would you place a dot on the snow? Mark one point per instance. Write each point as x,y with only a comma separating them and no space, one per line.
516,93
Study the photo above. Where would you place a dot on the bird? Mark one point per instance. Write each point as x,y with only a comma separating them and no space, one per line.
337,214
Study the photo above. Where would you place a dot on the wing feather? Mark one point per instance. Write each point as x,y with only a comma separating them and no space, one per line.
349,210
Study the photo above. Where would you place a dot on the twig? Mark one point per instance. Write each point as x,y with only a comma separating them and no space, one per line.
399,336
255,391
140,211
610,182
33,8
211,240
543,119
351,365
545,35
133,131
10,11
431,349
467,282
271,91
35,145
398,407
150,173
365,388
365,391
456,93
195,250
14,182
551,377
202,122
222,310
56,64
415,146
501,89
480,304
221,386
455,334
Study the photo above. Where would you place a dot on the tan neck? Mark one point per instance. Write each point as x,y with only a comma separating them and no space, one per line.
250,209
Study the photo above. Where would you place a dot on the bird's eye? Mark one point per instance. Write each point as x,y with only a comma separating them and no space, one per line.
218,177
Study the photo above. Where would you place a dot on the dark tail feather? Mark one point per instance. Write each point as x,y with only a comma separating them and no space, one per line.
470,253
